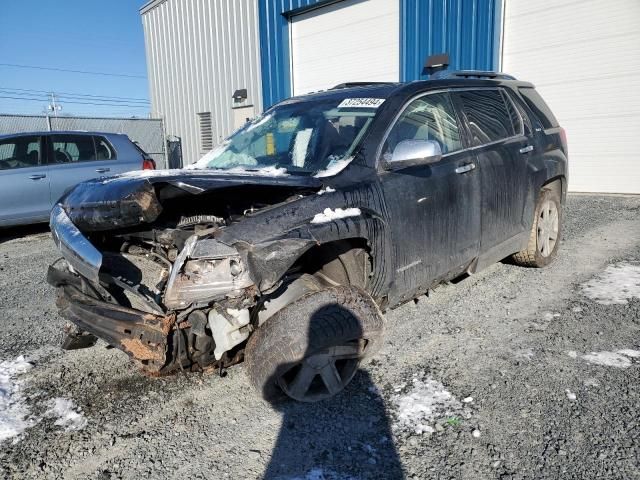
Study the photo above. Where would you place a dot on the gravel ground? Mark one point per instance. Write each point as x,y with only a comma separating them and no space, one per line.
497,359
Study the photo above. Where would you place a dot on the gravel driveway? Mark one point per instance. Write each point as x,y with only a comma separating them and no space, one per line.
513,373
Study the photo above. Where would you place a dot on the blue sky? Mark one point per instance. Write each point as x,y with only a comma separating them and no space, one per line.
88,35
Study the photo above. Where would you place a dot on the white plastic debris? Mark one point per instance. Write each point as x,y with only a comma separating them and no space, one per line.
467,400
329,215
570,395
476,433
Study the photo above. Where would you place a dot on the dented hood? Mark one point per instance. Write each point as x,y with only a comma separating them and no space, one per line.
130,199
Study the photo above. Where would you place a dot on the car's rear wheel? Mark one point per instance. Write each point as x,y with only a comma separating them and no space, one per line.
311,349
546,232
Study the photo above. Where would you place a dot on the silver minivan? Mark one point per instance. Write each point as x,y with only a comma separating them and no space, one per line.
37,168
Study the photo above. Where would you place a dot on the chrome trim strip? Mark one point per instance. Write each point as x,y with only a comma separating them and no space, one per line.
81,255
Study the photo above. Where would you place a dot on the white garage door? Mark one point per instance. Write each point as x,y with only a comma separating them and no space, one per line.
584,58
348,41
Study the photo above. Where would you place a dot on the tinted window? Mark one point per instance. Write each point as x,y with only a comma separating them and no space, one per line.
19,152
514,115
539,107
487,114
515,101
104,150
427,118
73,148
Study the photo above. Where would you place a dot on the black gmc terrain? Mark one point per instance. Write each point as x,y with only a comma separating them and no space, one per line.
284,245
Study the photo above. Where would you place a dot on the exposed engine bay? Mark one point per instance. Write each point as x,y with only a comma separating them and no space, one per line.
190,296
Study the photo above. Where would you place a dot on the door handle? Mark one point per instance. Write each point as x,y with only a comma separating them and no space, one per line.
38,176
466,168
527,149
103,170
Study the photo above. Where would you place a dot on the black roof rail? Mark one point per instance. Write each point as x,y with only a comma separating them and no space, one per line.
471,74
358,84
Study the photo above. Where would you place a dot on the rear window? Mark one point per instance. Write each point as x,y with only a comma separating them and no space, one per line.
539,107
488,116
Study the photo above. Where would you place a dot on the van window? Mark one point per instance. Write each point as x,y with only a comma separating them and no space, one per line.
19,152
487,115
431,117
104,150
73,148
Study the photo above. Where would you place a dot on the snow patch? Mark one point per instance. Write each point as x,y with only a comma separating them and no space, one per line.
616,285
68,415
326,190
619,359
319,474
14,411
334,167
570,395
329,215
426,401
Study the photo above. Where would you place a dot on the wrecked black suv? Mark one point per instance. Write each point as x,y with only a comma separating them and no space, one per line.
283,246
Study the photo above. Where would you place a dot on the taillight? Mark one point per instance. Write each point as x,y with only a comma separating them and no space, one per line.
563,139
148,164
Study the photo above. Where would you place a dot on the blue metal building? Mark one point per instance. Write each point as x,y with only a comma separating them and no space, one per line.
469,30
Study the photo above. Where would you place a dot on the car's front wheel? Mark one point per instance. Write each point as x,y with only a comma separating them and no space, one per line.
310,349
546,232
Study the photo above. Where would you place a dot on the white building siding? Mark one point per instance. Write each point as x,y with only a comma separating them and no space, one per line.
584,59
198,53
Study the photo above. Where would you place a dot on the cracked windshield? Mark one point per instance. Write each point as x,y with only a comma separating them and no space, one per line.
300,138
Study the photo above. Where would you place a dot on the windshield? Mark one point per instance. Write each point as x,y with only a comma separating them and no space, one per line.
303,138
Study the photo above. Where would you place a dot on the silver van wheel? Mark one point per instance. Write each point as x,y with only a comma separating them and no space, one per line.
548,226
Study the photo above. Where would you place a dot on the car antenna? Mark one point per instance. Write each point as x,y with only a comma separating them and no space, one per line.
435,63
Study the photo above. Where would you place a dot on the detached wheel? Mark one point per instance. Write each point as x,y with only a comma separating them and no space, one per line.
545,232
311,349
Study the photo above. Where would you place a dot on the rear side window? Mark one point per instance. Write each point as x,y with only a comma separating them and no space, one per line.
73,148
104,150
539,107
487,114
19,152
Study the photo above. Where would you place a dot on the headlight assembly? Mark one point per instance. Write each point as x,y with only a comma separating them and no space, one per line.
201,280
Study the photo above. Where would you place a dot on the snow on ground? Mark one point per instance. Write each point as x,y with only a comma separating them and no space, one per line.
616,285
329,215
14,411
67,415
425,402
334,167
326,190
619,359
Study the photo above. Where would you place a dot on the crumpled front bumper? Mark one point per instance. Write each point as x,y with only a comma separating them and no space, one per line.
77,250
147,338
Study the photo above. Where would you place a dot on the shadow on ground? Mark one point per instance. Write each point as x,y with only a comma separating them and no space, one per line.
343,437
12,233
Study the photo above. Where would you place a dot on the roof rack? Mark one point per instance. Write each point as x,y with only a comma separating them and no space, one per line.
359,84
444,74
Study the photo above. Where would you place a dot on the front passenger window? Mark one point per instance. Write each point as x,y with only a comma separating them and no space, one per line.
431,117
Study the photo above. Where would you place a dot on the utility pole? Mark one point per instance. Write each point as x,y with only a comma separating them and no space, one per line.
53,106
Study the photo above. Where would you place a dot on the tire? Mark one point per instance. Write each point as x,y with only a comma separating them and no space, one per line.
300,349
546,232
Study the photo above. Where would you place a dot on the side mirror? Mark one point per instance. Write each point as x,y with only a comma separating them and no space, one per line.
410,153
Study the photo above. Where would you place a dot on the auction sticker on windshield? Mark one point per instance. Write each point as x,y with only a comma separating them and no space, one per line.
361,103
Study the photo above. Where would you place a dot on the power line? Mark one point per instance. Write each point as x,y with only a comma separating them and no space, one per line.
84,72
44,99
74,94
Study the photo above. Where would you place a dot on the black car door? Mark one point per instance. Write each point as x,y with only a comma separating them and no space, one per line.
434,210
496,131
